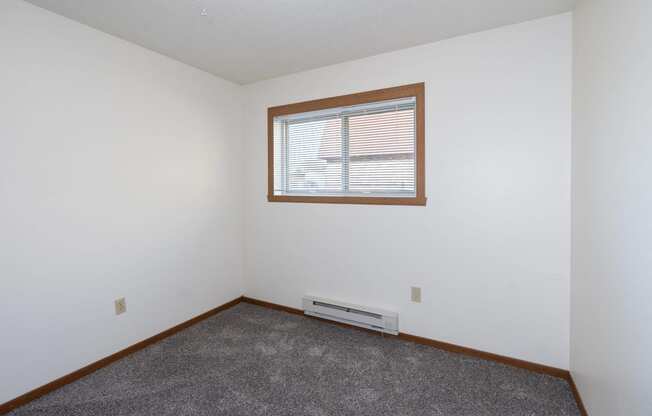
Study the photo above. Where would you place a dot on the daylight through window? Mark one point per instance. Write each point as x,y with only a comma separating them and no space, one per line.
366,152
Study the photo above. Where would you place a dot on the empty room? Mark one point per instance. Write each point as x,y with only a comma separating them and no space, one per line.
325,207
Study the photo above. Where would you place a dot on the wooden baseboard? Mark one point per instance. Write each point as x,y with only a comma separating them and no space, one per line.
576,394
514,362
276,306
84,371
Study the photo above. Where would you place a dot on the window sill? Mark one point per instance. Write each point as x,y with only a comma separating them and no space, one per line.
358,200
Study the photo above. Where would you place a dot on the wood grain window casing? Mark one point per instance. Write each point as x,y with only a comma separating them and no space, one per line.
406,91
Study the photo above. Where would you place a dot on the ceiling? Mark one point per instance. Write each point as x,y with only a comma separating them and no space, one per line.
250,40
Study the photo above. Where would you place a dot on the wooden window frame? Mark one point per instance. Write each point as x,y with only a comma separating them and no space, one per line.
404,91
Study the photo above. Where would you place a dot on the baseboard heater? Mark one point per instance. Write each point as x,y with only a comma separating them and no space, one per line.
362,316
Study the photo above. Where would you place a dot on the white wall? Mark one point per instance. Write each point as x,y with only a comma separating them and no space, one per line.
612,207
118,177
492,248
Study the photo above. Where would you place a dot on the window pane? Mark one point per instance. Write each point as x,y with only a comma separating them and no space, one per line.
381,151
314,156
367,149
384,175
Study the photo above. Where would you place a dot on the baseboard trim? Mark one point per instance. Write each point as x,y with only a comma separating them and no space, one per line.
514,362
84,371
576,394
278,307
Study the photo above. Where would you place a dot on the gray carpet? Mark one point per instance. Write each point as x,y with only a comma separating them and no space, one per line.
251,361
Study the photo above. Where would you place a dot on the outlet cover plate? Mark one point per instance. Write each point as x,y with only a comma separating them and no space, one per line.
120,306
415,294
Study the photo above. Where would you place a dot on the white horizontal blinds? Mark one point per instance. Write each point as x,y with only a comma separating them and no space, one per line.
367,149
381,152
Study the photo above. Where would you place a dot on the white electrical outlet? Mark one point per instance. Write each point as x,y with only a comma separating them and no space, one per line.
416,294
120,306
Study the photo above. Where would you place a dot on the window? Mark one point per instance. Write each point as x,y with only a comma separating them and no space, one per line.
365,148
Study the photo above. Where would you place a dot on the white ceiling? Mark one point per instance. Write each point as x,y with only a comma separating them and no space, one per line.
250,40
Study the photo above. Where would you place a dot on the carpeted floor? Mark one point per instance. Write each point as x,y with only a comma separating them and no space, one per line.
251,361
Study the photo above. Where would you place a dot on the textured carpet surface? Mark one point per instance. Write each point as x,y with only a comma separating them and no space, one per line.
250,360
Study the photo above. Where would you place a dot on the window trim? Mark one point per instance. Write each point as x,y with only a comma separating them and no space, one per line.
404,91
